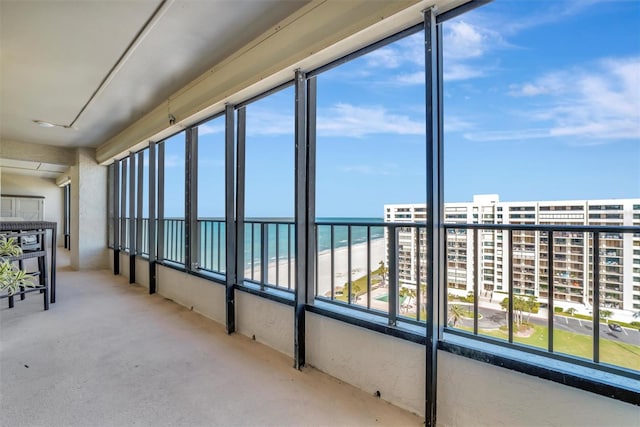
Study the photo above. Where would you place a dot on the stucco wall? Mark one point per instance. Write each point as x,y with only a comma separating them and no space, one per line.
472,393
368,360
26,185
270,322
200,295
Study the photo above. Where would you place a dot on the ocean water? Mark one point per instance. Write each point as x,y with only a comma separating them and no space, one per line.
279,239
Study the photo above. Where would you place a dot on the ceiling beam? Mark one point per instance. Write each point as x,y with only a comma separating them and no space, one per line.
317,33
15,150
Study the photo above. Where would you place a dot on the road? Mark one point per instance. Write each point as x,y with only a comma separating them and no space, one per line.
494,318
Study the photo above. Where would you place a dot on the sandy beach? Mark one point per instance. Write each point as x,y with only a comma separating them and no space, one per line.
341,266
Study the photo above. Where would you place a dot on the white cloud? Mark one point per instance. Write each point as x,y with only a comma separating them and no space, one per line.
172,161
270,122
386,57
209,129
358,121
507,135
384,169
416,78
459,71
463,40
598,101
465,46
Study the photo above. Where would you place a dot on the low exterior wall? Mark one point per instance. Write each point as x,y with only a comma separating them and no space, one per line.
478,394
469,392
200,295
270,322
368,360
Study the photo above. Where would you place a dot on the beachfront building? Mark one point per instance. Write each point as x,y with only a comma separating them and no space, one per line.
572,261
185,148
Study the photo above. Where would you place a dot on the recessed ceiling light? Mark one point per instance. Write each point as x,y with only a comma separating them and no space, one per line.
44,124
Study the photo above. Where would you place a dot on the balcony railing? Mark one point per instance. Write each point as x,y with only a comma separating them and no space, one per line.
380,268
373,267
549,319
269,253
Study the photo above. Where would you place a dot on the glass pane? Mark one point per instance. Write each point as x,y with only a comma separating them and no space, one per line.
174,190
211,195
371,161
269,189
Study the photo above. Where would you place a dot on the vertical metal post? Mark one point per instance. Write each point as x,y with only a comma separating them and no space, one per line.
303,286
140,202
435,238
510,286
476,283
116,217
596,297
240,186
67,210
310,116
417,272
230,218
152,218
132,218
191,235
160,222
123,204
392,254
264,254
550,289
369,274
349,281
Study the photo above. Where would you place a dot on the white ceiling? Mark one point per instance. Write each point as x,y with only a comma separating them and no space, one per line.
54,55
42,170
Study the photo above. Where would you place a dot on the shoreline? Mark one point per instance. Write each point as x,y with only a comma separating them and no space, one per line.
323,267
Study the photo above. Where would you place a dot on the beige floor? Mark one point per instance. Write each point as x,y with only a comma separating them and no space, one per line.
108,354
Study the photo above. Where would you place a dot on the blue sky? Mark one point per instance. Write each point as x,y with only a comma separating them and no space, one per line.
541,100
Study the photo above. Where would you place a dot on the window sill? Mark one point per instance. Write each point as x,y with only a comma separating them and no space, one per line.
594,380
371,321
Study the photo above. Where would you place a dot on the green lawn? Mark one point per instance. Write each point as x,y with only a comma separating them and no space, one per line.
612,352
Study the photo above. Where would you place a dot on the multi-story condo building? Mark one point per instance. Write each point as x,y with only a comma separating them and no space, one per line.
572,251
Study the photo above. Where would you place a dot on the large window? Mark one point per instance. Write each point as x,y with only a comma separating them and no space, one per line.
269,190
542,115
211,193
174,201
371,156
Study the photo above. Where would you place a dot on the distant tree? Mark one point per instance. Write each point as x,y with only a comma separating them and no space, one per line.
470,298
456,313
355,291
383,270
605,315
505,306
531,305
570,311
520,305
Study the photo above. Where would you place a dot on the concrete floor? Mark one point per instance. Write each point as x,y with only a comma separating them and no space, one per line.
109,354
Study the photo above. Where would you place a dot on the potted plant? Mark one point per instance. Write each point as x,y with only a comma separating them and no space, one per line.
12,278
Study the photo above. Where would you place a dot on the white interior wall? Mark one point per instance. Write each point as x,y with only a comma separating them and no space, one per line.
27,185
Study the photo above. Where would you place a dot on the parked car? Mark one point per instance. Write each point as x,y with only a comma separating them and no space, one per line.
615,327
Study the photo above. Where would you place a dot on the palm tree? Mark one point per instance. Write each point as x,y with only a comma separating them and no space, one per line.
355,290
605,315
571,311
383,272
456,313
